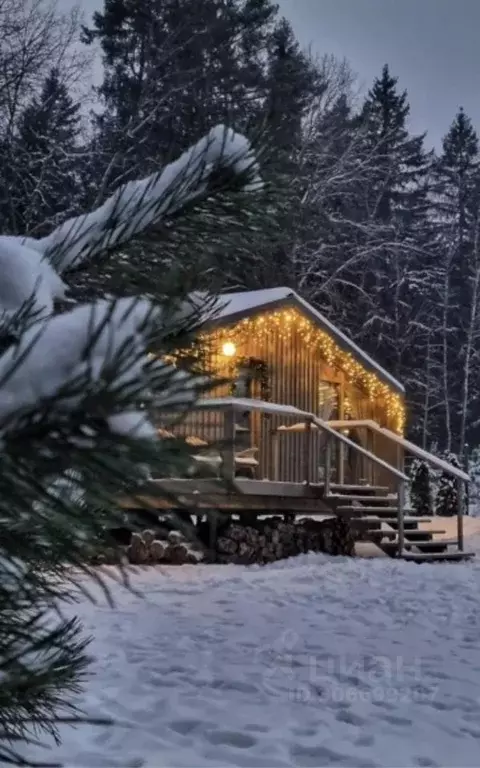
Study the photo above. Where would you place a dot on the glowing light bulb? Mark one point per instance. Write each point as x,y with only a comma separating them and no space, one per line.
229,349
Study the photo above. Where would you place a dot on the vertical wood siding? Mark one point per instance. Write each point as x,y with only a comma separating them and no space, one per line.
296,372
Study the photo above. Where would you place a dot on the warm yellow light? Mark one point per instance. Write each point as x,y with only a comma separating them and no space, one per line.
284,325
229,349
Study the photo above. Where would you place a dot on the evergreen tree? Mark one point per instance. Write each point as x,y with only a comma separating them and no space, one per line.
401,158
396,280
474,485
446,503
291,84
456,172
456,211
292,81
166,81
420,489
397,199
47,158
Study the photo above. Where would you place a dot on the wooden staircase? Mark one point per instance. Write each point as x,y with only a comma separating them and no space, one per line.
373,511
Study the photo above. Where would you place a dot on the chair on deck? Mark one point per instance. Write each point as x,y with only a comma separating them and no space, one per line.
245,461
192,440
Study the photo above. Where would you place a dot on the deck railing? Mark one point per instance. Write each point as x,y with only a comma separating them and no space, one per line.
461,477
231,406
309,424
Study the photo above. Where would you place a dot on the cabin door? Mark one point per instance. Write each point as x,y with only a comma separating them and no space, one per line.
359,470
327,410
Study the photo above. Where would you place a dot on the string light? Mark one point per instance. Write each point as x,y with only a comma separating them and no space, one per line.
283,324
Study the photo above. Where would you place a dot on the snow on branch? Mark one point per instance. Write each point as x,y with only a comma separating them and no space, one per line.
139,205
91,350
26,276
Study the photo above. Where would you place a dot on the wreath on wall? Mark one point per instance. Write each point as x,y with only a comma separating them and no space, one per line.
257,371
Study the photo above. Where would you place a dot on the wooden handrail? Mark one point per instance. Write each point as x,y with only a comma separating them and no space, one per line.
427,456
461,476
362,451
410,447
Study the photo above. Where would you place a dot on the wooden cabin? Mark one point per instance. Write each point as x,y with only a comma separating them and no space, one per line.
308,424
275,347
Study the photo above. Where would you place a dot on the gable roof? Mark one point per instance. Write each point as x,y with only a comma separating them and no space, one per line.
233,307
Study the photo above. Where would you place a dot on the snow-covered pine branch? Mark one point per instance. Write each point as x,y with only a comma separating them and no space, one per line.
77,396
26,276
26,264
96,348
57,359
139,205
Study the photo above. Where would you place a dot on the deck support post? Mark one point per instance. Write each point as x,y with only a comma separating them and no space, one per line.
274,455
307,451
371,448
212,533
228,447
400,516
328,465
341,446
341,464
460,512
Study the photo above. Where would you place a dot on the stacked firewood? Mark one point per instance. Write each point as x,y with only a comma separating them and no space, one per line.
260,541
146,548
273,539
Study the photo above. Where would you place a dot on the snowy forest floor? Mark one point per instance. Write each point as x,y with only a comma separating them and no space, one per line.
316,661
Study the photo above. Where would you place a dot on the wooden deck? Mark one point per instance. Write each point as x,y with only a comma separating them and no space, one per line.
241,494
371,508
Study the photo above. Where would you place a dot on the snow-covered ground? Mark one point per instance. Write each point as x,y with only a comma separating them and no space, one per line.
316,661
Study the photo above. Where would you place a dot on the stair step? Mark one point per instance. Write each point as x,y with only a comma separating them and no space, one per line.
390,520
431,557
419,533
346,490
410,524
435,543
387,511
430,547
392,544
377,534
387,500
416,536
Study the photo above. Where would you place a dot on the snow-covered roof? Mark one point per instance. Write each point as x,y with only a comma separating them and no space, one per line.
234,306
